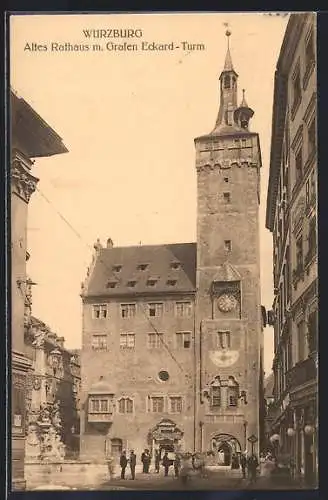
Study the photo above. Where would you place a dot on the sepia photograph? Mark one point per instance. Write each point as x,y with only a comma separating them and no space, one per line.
163,225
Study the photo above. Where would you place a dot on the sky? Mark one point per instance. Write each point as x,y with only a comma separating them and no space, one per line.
129,119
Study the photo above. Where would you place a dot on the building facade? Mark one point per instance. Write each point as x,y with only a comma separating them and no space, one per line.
30,138
172,334
292,219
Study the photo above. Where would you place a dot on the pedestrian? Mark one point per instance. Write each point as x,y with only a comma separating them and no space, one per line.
234,461
133,462
166,464
243,464
111,467
157,460
252,465
123,463
143,461
147,460
177,465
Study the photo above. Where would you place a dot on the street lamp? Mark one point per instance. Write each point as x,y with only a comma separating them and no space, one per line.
291,432
309,430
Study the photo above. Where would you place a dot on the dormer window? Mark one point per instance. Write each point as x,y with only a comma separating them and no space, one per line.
175,265
132,283
171,282
117,268
142,267
151,282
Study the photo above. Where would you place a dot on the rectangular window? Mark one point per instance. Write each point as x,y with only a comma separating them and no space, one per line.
176,404
155,340
127,340
296,88
184,340
309,52
232,396
99,311
227,245
313,331
299,165
307,193
171,282
216,396
299,252
157,404
311,138
128,310
312,237
99,405
155,309
226,197
183,309
226,179
99,342
301,340
224,340
117,268
151,282
313,189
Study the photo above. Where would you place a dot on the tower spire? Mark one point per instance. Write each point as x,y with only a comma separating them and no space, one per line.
228,66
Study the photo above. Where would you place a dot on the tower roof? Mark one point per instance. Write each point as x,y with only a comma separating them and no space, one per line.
243,103
227,272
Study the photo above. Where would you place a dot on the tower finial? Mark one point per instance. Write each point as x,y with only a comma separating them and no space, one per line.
243,102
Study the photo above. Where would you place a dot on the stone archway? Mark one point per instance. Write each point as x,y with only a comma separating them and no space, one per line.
224,447
165,436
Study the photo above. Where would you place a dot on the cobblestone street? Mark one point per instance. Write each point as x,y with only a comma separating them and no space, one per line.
214,481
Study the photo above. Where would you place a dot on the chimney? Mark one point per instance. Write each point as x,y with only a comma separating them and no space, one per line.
110,243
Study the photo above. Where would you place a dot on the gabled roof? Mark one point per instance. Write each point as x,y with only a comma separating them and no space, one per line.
227,272
160,261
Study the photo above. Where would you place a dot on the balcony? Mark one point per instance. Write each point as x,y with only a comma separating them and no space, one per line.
302,373
100,418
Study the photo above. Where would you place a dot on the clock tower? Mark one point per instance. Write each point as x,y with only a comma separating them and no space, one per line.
228,311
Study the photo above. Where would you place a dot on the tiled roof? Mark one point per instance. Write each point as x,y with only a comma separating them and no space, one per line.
164,264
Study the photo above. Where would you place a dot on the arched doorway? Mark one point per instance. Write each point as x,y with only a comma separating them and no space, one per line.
224,447
165,437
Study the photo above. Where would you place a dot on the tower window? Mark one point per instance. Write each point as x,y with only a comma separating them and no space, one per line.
226,197
226,82
224,340
215,396
227,245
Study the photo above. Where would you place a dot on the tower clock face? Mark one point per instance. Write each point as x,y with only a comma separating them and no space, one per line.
226,302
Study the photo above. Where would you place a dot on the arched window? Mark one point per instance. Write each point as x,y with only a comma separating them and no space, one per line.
125,405
226,82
